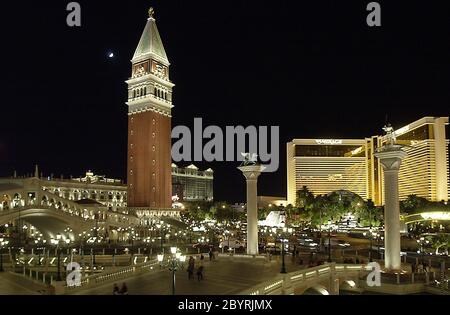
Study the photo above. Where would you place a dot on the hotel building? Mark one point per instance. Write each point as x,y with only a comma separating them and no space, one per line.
191,184
327,165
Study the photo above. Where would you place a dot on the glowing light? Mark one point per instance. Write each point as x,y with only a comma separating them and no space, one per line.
436,216
329,141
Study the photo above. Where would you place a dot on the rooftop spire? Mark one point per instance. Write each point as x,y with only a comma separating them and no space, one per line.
150,44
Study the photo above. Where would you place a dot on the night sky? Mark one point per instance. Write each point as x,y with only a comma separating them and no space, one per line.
313,68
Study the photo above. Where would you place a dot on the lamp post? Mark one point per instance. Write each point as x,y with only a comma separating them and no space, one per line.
371,235
422,241
160,227
2,244
175,261
329,241
58,254
283,249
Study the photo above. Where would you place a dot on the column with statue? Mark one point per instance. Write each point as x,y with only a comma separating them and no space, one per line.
251,170
391,156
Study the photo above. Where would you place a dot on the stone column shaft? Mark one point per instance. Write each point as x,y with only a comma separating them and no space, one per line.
252,217
392,221
391,159
251,174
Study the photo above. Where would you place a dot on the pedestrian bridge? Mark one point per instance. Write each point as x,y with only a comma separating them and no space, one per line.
426,216
53,214
323,280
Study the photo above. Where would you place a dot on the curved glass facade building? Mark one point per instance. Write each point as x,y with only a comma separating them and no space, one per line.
327,165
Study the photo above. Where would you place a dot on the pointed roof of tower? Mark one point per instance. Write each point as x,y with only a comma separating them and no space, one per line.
150,43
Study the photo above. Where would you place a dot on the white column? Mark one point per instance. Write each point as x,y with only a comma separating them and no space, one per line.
391,160
392,221
251,174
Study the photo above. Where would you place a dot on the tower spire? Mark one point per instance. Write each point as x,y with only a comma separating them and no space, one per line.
36,171
150,45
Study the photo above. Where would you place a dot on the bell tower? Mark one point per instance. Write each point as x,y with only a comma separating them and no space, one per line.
149,124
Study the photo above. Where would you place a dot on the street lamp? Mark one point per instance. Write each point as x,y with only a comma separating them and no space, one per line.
176,260
329,241
55,242
371,236
422,241
283,251
160,227
2,244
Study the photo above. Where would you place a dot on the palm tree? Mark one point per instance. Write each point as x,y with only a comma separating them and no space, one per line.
441,241
305,198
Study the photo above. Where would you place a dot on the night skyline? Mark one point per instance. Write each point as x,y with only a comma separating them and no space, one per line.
314,70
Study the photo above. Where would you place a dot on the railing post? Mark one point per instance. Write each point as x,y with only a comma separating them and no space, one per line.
334,283
398,278
286,287
412,278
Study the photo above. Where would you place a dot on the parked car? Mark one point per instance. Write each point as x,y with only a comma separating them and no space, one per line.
233,244
339,243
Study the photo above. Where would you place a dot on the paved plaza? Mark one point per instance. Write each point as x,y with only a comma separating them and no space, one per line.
11,284
221,277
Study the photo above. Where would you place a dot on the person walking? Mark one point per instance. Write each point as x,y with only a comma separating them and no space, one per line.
124,289
211,254
190,268
116,289
200,273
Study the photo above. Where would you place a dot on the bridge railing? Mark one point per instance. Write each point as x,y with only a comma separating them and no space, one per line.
281,283
113,275
110,219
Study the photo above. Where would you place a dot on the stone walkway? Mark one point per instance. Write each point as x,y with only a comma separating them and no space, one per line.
221,277
11,284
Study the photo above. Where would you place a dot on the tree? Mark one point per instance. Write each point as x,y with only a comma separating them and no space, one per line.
222,212
441,241
413,203
367,213
305,198
198,210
